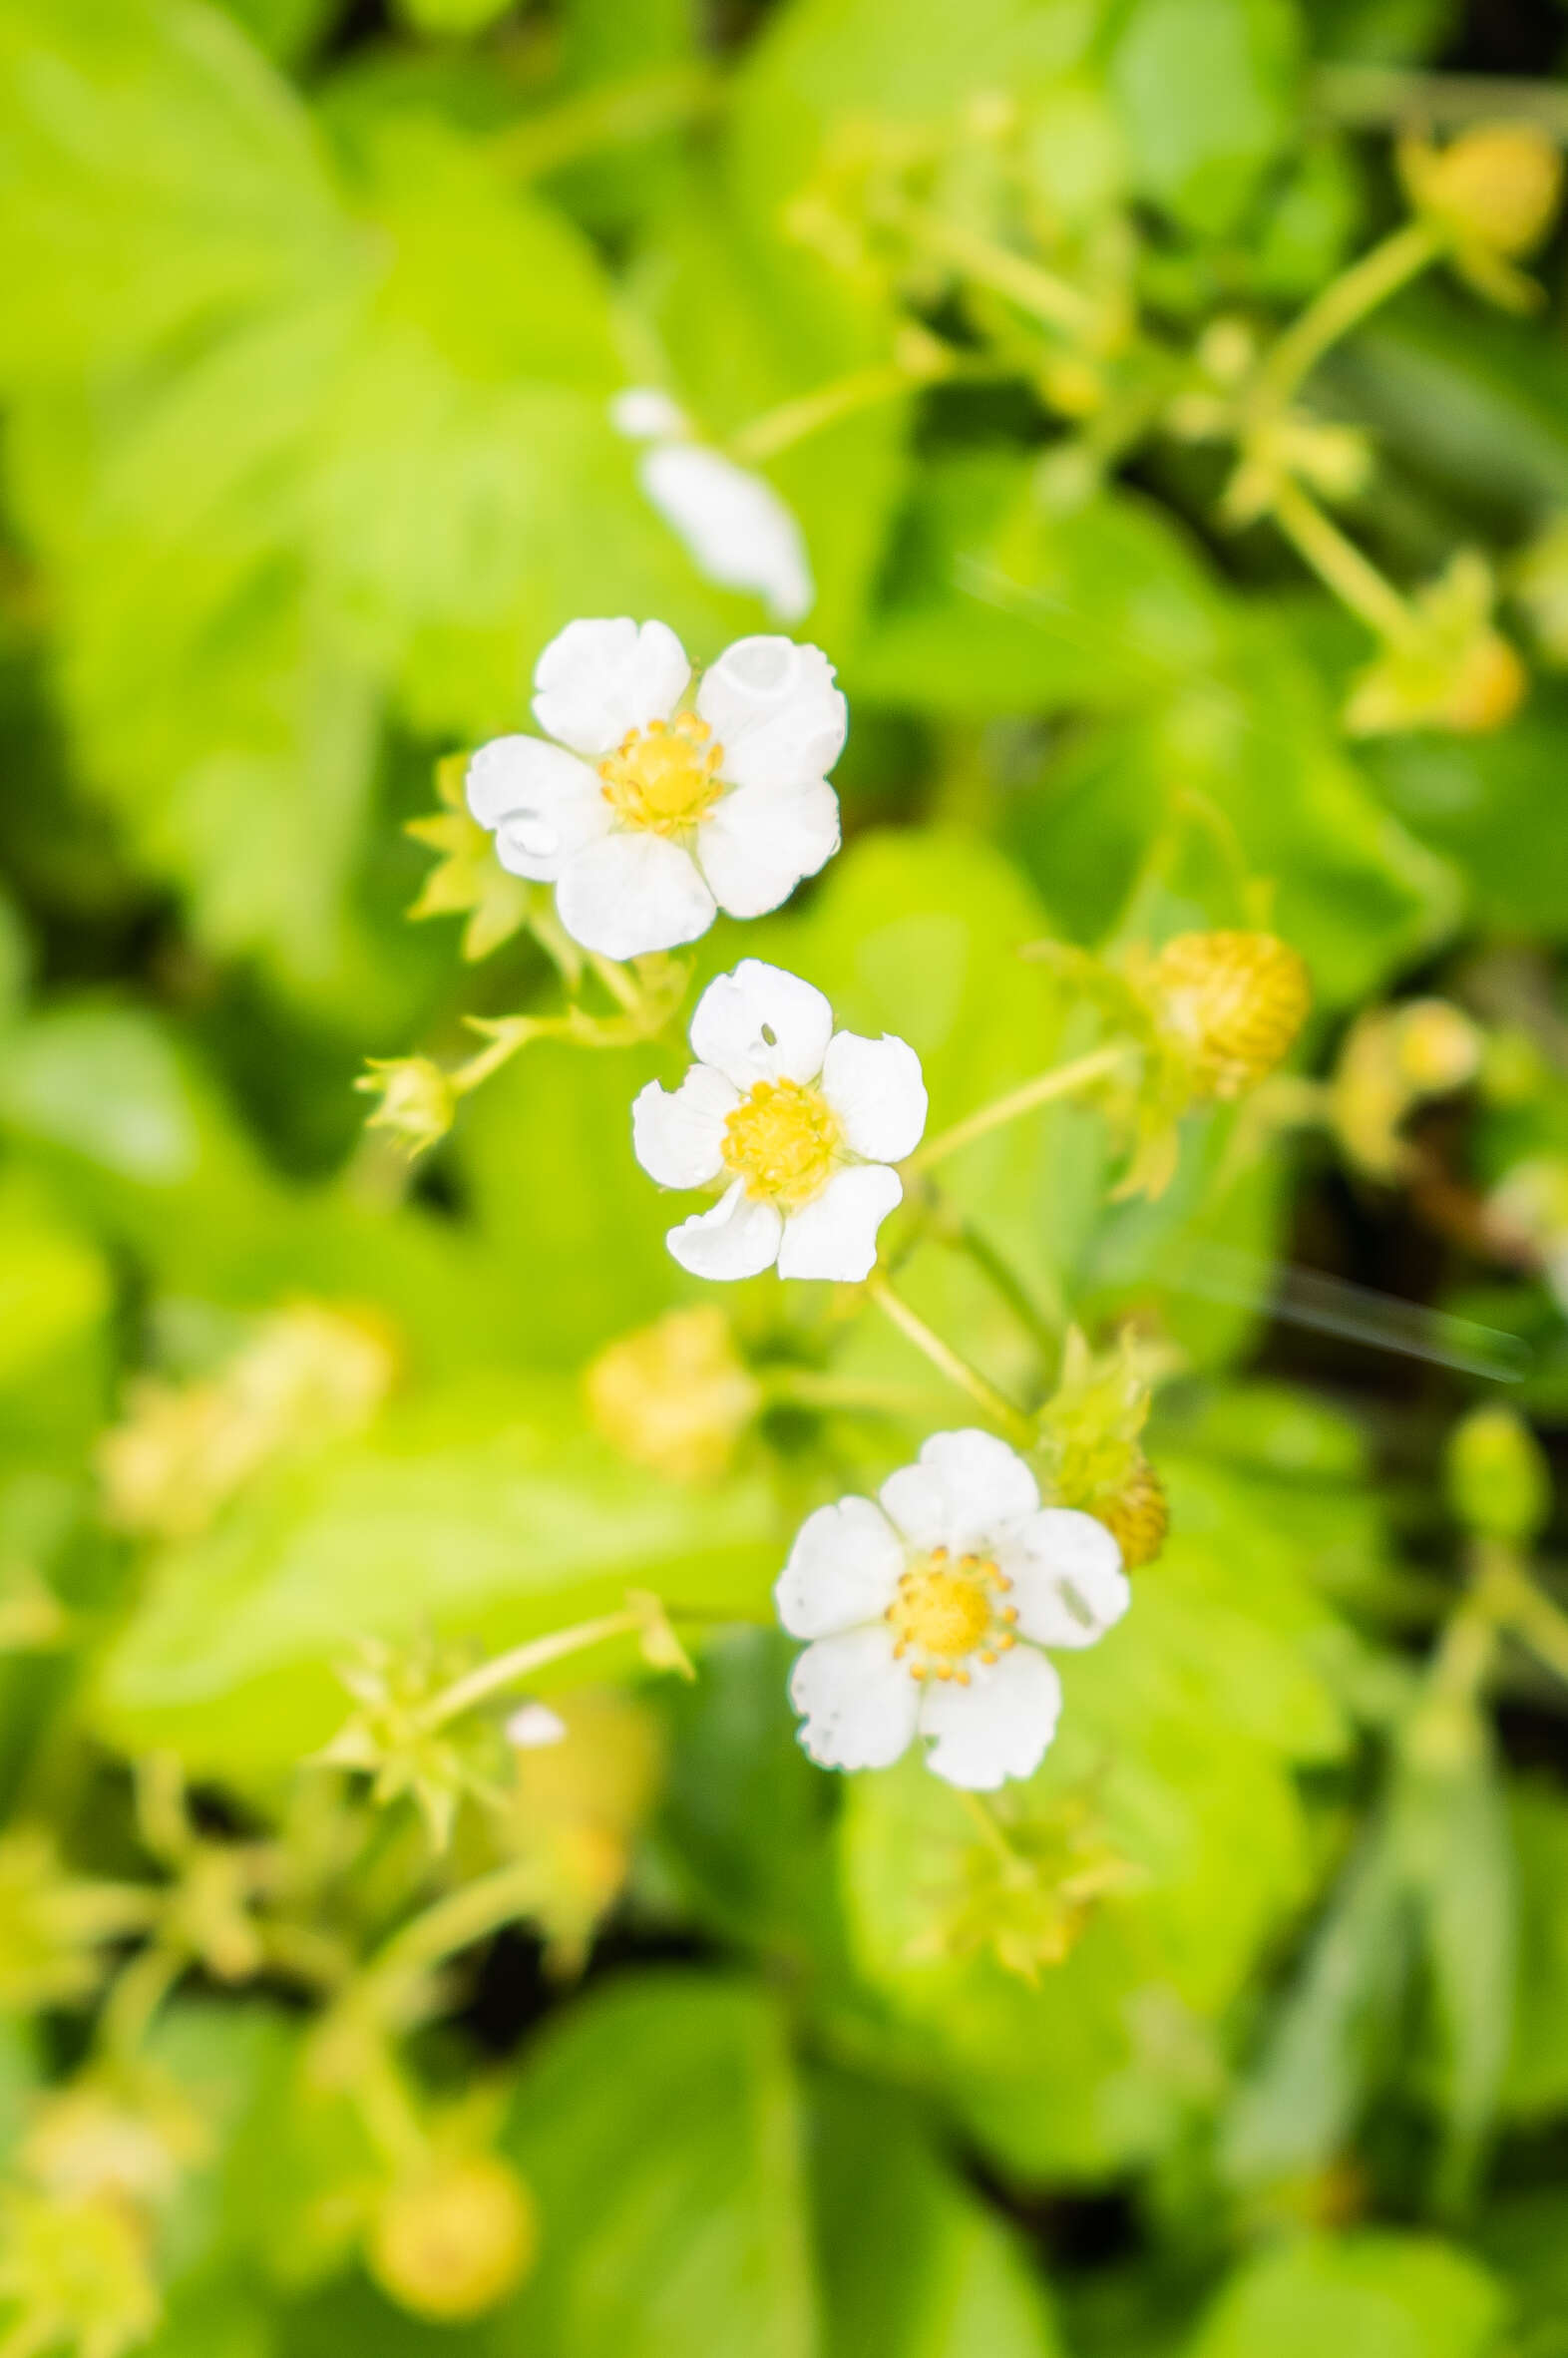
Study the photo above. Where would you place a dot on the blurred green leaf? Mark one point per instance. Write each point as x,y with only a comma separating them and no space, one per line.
1207,89
1366,2295
660,2128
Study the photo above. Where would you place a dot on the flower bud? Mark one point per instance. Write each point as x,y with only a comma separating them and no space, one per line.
1496,187
1487,690
1436,1047
1500,1485
674,1397
1236,1000
417,1100
452,2242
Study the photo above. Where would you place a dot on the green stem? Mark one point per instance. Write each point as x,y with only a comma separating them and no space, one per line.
1024,283
451,1925
1336,562
523,1661
793,421
635,108
995,1835
1372,95
390,2115
1062,1082
1344,302
1528,1612
138,1993
507,1036
622,987
961,1236
1020,1430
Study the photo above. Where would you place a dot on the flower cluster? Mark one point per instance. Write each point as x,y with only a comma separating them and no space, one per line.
651,800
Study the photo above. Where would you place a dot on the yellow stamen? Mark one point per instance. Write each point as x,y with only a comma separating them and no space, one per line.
782,1141
945,1616
664,778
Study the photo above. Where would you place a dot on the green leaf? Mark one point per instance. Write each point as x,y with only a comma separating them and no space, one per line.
1366,2295
912,2265
486,1511
1536,2085
660,2126
1207,96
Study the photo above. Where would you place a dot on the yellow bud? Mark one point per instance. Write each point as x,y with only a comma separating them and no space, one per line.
1499,1484
452,2242
1237,1001
417,1099
675,1396
1436,1047
1137,1515
1486,687
1497,186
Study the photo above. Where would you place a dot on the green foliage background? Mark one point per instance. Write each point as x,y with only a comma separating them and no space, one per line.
311,325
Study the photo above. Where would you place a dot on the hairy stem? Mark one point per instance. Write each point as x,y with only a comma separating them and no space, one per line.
506,1669
1024,283
809,413
1343,304
1340,565
1020,1430
1080,1075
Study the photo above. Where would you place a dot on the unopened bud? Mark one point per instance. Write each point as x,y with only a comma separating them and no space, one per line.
1235,999
1497,185
675,1396
417,1100
1436,1047
1488,687
1499,1484
452,2242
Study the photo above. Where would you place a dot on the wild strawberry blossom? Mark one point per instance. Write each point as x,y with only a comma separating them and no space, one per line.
799,1126
928,1608
648,809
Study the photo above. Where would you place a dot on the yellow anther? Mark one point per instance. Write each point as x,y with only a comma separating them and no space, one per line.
782,1141
945,1613
664,777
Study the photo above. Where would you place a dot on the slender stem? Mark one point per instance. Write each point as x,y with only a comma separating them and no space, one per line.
1062,1082
1025,283
506,1038
810,1387
385,2105
1343,304
1529,1612
634,108
523,1661
995,1833
1341,564
622,987
136,1997
1371,95
964,1236
793,421
453,1924
1020,1429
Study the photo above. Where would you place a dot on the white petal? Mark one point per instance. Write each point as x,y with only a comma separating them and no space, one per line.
858,1705
737,1013
967,1491
643,414
998,1726
534,1727
774,708
597,680
737,528
843,1570
756,844
543,804
738,1238
1067,1581
677,1135
633,891
875,1088
836,1236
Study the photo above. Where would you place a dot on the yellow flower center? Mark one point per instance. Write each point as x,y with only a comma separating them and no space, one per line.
782,1141
947,1611
664,777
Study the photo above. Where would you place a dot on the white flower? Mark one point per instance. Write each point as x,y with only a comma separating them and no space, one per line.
928,1610
534,1727
645,814
735,528
797,1122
